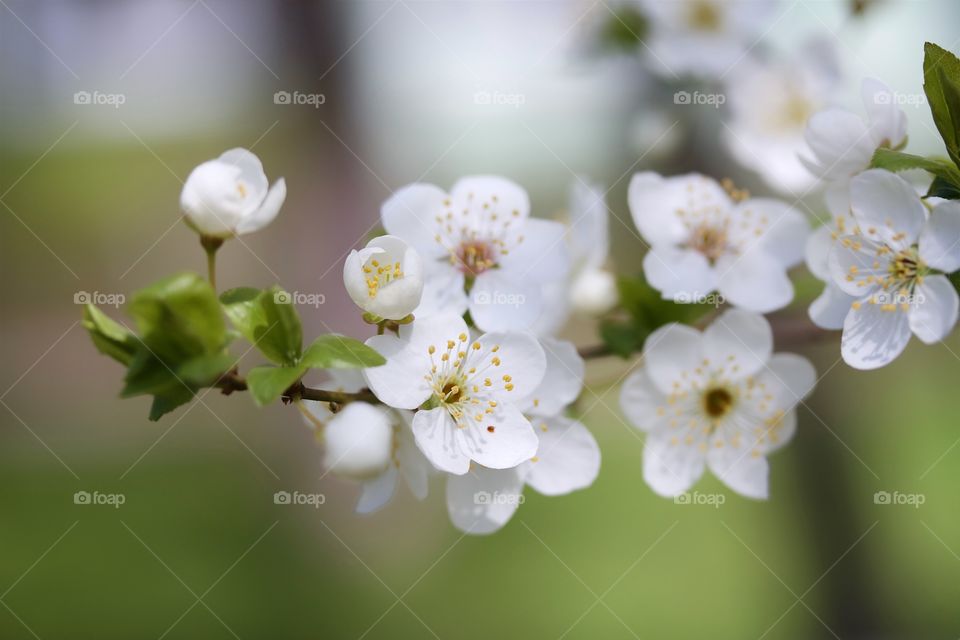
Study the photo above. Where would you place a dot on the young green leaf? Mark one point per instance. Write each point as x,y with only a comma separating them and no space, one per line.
280,338
941,83
898,161
339,352
205,370
109,337
242,307
941,188
167,402
268,383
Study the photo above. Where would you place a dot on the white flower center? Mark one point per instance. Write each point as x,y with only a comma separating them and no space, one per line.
897,272
461,381
476,233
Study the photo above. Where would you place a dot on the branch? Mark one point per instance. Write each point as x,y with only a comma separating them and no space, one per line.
232,381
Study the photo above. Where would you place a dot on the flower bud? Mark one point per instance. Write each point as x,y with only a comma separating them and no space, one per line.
228,196
385,278
594,292
359,441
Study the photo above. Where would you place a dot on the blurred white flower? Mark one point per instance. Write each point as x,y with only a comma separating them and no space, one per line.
702,241
467,390
892,263
705,38
358,447
385,278
228,196
568,457
716,399
770,103
830,308
479,240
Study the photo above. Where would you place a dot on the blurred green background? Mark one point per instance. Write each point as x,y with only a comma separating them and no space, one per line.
89,199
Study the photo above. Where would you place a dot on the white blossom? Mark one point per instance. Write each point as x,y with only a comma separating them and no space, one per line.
385,278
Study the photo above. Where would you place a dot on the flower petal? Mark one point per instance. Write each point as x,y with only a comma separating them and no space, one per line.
658,204
484,500
739,341
872,337
888,123
671,351
841,144
400,382
378,491
268,209
500,440
435,435
934,312
568,458
817,251
755,281
670,466
681,275
514,362
562,380
542,255
411,214
789,378
251,171
772,226
830,309
887,207
442,293
744,472
641,401
940,238
857,264
500,303
502,196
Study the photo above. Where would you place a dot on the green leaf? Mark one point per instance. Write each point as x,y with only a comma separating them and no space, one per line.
268,383
941,83
242,307
203,371
941,188
164,404
279,335
648,308
148,375
899,161
179,318
622,338
625,28
109,337
339,352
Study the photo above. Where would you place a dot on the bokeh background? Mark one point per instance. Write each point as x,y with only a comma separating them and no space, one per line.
88,203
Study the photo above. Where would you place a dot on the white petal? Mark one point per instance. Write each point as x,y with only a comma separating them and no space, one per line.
656,202
522,365
738,338
671,468
251,170
435,330
830,309
887,207
671,351
784,230
568,458
414,467
856,264
377,491
411,212
500,440
589,229
837,198
541,256
888,123
818,248
434,431
745,474
502,196
442,293
841,143
872,337
594,292
500,303
642,402
210,199
934,312
358,441
755,281
682,275
400,382
940,238
562,380
483,500
268,209
790,378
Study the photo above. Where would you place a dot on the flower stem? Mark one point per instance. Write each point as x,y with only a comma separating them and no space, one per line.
210,246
